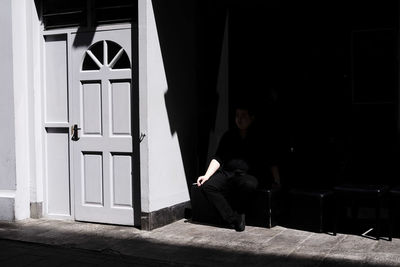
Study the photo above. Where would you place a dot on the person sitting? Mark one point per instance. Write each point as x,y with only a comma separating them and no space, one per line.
244,161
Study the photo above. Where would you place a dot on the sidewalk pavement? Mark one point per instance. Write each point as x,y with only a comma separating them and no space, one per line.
43,242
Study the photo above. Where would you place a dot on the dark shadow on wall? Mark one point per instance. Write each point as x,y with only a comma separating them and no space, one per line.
84,37
38,6
190,34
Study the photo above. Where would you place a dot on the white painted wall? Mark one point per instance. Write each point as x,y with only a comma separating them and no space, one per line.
24,64
35,83
7,140
144,152
163,181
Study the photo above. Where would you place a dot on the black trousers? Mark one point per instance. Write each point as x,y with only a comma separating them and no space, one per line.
225,187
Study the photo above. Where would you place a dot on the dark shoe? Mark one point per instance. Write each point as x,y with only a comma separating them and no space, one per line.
240,223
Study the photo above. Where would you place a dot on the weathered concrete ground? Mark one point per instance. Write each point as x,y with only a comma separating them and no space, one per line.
183,243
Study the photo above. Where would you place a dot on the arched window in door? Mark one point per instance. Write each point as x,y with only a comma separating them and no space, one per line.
105,54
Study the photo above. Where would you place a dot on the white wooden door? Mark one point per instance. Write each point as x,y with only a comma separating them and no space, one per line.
101,108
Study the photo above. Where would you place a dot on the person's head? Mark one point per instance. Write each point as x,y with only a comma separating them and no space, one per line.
244,117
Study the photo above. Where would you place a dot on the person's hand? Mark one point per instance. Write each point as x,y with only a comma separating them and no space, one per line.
201,180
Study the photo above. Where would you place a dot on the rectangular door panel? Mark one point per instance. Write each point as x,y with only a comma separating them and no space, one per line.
91,108
58,196
56,79
121,180
121,103
92,179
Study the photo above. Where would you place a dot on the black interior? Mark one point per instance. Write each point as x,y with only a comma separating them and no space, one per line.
323,75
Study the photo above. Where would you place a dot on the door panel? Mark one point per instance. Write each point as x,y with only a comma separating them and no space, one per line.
121,103
91,108
92,179
101,103
122,182
57,172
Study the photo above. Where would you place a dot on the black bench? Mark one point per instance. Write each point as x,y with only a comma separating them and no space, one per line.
310,207
263,209
356,195
394,200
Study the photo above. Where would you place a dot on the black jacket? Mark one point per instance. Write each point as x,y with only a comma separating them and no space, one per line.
253,155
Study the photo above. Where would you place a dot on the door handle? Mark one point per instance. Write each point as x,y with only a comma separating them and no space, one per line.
74,132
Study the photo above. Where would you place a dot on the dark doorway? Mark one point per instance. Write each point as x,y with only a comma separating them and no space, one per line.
323,76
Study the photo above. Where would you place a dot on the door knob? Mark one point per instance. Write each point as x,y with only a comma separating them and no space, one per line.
74,132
